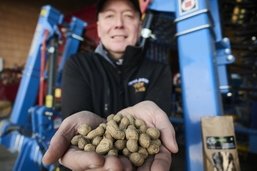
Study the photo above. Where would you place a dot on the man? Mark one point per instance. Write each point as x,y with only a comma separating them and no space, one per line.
115,77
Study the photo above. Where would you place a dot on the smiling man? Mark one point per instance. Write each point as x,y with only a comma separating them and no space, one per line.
117,74
113,77
118,27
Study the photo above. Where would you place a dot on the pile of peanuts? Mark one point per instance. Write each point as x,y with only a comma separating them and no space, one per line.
120,135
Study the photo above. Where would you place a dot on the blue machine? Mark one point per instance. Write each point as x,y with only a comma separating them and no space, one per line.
203,54
201,95
31,126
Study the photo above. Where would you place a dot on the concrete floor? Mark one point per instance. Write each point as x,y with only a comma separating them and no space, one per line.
7,159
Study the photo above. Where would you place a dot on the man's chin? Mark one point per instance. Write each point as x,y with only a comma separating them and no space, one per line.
119,49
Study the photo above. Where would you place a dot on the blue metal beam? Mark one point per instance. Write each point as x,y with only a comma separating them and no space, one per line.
76,29
28,90
198,68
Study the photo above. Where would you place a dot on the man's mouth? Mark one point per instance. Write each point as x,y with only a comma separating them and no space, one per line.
119,37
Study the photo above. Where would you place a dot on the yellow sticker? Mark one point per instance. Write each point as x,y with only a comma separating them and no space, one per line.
43,12
58,93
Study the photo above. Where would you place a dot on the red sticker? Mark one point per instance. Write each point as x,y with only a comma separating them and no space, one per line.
187,5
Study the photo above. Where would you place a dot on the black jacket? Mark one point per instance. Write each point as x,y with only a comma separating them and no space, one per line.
96,83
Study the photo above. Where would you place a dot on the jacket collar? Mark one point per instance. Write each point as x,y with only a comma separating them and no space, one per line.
132,56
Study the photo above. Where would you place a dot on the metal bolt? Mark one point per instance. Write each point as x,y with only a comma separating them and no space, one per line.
225,39
227,51
230,58
51,50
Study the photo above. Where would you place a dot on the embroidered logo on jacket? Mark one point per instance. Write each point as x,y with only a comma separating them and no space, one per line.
139,84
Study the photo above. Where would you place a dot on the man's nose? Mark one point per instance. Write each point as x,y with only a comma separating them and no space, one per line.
119,23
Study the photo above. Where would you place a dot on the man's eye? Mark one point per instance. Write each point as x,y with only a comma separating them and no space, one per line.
128,15
109,16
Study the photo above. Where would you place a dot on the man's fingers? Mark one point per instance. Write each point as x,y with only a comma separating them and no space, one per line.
168,135
154,115
147,165
169,142
58,145
60,142
162,160
126,163
82,161
113,163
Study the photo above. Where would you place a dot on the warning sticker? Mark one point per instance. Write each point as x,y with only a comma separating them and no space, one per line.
186,6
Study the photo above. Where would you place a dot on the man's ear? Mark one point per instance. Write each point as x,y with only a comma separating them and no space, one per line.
98,29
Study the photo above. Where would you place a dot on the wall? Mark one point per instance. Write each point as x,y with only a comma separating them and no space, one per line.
17,25
18,21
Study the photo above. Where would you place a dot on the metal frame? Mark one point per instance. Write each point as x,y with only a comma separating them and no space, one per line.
31,126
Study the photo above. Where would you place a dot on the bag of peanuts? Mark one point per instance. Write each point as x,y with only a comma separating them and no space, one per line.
120,135
219,144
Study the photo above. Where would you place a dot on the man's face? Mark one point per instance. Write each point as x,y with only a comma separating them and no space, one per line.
118,26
